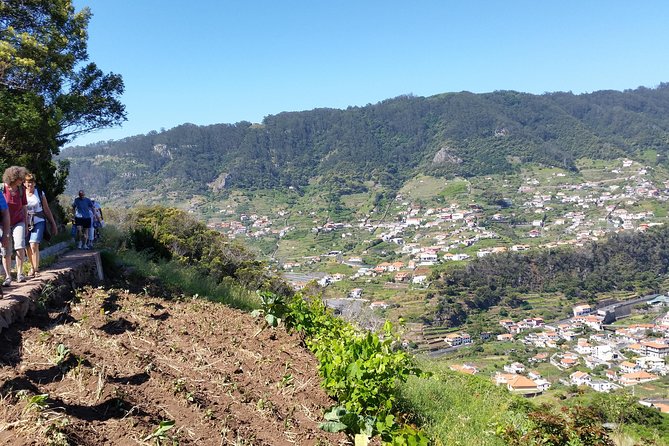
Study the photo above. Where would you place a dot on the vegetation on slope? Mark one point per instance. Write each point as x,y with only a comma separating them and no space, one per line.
379,388
359,369
627,261
386,143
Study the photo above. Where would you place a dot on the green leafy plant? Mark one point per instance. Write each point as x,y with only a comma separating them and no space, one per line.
45,296
56,435
160,433
38,402
341,420
273,307
62,354
360,369
575,426
363,428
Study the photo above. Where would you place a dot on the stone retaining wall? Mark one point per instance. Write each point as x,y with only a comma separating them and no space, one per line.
71,271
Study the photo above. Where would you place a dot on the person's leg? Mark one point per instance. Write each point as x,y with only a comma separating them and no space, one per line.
36,236
29,253
85,236
80,229
35,250
20,254
86,227
19,236
7,258
7,265
3,253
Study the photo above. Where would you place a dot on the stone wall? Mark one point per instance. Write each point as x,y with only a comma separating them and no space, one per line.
71,271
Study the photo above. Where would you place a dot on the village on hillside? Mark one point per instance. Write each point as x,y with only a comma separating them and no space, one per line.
585,350
539,209
546,210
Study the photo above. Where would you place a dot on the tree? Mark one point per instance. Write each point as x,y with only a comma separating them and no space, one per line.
48,92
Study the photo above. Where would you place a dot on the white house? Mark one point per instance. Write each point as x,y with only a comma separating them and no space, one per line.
655,348
605,353
582,310
515,367
460,257
418,279
580,378
603,386
542,384
428,257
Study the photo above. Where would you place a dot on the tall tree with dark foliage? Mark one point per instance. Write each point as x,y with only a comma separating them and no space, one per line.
49,92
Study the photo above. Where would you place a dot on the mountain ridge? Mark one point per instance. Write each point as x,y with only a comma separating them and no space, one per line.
385,143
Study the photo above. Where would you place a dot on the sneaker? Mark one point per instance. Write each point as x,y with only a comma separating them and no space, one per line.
7,282
20,278
79,245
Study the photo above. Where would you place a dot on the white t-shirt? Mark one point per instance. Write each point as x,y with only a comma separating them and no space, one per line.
34,205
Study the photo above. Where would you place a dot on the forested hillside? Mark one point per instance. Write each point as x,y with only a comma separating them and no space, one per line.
636,262
461,134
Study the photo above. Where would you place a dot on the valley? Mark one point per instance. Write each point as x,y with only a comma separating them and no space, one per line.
379,262
386,253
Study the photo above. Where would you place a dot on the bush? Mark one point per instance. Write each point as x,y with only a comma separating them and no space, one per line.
360,369
171,234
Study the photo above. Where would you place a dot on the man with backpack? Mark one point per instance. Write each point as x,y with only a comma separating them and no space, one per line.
83,214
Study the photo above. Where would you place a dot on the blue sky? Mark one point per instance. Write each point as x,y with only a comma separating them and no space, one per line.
222,61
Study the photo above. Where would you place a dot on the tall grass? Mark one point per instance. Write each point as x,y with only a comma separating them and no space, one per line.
459,409
175,275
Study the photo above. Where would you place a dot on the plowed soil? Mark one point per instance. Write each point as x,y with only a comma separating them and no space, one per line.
109,366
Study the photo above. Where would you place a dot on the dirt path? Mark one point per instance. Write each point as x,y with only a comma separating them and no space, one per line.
109,367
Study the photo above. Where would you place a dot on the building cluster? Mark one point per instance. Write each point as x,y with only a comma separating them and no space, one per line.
602,357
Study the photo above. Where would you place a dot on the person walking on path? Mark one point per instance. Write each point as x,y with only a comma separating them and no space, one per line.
83,213
38,213
98,219
12,189
4,229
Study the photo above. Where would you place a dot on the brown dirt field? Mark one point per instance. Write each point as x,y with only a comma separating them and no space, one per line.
130,361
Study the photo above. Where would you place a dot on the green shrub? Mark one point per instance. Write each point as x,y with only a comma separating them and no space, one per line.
171,234
360,369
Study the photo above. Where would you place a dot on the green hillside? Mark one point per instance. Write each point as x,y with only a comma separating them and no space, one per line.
381,144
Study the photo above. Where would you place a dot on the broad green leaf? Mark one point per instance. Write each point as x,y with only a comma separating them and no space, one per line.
332,426
272,320
163,427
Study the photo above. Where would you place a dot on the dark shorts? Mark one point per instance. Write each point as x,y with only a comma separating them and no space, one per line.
83,222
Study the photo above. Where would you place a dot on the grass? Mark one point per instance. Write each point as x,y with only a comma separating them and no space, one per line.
357,201
458,409
173,274
455,189
426,188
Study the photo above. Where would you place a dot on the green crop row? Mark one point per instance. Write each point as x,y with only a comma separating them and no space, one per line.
360,369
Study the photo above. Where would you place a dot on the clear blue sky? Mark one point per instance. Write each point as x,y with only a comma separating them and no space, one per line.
225,61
